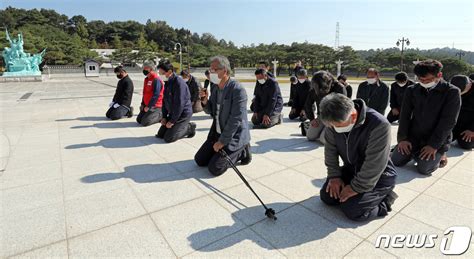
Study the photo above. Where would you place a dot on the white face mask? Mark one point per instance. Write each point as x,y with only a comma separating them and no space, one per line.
428,85
344,129
261,81
186,80
301,80
214,78
164,77
371,80
401,84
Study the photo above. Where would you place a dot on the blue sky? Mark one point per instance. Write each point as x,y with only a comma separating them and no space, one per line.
364,24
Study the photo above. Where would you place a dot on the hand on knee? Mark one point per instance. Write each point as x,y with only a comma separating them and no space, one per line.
328,200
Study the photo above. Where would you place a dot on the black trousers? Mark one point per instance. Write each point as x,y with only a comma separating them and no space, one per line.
274,120
391,117
116,113
465,145
462,143
216,164
296,114
152,116
425,167
180,129
363,206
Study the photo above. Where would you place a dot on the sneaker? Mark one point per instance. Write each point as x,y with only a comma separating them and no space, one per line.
192,128
247,156
390,199
130,112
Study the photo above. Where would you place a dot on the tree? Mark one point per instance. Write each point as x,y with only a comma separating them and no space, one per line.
142,43
116,42
207,39
454,66
162,34
68,41
93,44
82,32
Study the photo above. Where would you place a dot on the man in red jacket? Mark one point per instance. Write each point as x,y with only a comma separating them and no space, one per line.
152,101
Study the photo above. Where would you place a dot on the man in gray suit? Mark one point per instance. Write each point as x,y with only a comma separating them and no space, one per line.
230,129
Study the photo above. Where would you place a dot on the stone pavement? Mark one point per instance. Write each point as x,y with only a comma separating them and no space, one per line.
74,184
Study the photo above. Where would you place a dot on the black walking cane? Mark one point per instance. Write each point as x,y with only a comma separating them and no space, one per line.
269,212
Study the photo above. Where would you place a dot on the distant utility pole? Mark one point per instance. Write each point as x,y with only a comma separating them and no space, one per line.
460,54
402,41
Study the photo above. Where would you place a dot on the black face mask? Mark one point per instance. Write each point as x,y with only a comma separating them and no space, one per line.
119,76
146,72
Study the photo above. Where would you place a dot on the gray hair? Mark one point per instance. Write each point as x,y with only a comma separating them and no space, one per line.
150,64
302,72
223,63
335,108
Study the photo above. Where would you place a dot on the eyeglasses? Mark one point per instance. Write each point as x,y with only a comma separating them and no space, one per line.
215,70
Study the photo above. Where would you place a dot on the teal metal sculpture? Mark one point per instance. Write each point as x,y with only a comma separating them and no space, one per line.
17,62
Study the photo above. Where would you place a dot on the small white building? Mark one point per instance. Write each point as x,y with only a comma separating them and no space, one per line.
91,68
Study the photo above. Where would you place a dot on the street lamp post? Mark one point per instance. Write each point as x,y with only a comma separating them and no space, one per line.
402,41
180,55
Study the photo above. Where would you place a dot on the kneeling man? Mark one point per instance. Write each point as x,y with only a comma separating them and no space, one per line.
360,136
268,103
177,109
152,100
230,129
121,103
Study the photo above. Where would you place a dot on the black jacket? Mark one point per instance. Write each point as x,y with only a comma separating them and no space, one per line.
193,85
313,97
428,116
300,95
349,91
232,116
176,100
267,98
375,96
466,115
365,151
124,92
292,91
396,94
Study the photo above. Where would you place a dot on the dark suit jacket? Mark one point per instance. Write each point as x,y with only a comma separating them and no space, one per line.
176,100
232,117
428,116
375,96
